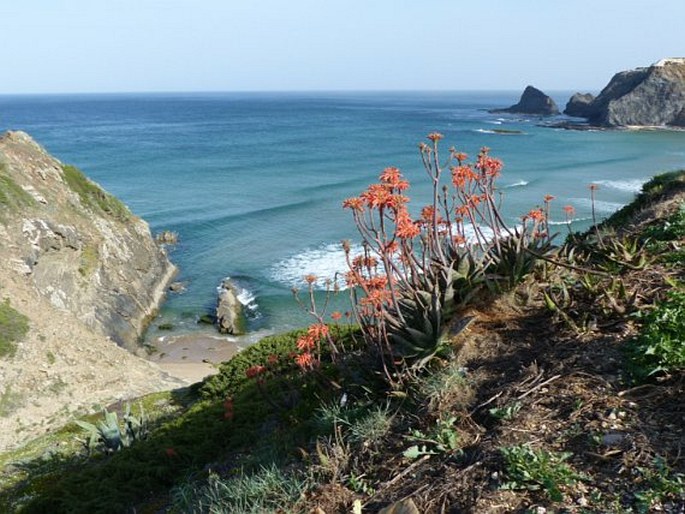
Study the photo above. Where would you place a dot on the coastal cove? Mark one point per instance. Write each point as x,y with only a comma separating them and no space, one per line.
253,183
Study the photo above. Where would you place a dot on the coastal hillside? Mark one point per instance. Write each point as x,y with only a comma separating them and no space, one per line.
80,276
557,388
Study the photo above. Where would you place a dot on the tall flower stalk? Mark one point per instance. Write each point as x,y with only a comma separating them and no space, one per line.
413,272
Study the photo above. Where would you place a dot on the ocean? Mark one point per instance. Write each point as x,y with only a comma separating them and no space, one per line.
253,182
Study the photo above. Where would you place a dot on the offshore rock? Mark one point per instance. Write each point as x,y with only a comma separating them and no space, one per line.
652,96
579,105
229,310
533,101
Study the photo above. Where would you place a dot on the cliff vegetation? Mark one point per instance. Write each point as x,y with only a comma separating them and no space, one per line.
553,383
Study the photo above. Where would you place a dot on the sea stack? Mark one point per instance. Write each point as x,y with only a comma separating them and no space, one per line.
533,101
652,96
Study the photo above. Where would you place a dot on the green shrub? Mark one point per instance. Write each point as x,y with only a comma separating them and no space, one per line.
13,328
660,346
93,196
670,230
277,349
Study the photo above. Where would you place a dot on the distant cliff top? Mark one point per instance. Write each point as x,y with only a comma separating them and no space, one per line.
670,60
643,97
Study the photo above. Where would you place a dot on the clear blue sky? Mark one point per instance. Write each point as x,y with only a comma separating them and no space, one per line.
230,45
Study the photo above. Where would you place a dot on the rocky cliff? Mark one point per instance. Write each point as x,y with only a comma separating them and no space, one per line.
86,273
78,246
532,101
653,96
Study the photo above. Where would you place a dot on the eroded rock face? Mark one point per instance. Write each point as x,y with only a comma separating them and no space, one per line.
229,310
78,246
533,101
653,96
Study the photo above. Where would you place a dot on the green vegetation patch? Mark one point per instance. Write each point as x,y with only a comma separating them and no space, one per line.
13,328
527,468
660,185
660,347
268,490
94,196
235,423
90,258
12,196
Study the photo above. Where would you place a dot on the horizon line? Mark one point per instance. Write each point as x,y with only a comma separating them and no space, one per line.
275,91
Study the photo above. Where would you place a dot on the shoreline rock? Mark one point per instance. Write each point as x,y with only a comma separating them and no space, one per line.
229,310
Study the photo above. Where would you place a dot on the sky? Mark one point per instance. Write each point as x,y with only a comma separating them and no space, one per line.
70,46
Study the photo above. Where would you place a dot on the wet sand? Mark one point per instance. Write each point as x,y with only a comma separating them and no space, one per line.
192,357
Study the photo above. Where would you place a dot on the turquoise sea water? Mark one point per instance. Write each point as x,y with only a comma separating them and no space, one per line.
253,183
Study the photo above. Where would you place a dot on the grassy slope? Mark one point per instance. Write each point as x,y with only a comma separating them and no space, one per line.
535,406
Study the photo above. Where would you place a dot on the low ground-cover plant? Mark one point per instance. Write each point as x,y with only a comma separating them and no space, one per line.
528,468
660,346
13,327
12,196
268,490
660,485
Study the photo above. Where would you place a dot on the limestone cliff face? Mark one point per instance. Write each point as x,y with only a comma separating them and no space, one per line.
653,96
78,246
85,272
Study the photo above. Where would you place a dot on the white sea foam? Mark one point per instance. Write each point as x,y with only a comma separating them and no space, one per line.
600,205
629,186
325,262
520,183
485,131
495,122
573,220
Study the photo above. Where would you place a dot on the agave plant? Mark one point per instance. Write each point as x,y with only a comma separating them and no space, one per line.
108,432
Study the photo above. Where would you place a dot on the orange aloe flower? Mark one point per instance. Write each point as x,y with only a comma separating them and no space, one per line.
306,342
435,136
460,157
535,215
569,210
305,360
317,331
354,203
336,315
